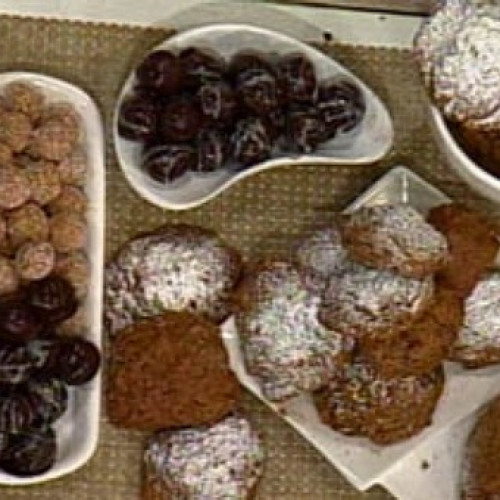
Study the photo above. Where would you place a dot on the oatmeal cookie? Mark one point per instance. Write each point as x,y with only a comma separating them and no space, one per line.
360,403
170,371
394,237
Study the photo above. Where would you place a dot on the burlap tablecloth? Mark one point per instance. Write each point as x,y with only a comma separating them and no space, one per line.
260,215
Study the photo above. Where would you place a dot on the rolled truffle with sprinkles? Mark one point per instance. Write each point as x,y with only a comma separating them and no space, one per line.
180,267
478,342
218,462
284,345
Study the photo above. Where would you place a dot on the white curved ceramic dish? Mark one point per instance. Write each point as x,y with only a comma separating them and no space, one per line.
475,176
362,463
78,430
366,144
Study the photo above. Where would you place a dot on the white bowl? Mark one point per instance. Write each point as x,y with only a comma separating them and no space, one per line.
77,430
369,142
475,176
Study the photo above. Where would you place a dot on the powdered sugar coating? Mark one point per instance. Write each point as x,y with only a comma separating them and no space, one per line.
321,255
467,77
179,268
284,345
437,32
220,462
370,301
481,330
394,237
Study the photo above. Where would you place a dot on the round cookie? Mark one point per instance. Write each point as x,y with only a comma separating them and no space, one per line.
169,371
422,346
224,460
480,478
284,345
179,267
394,237
478,342
360,403
373,302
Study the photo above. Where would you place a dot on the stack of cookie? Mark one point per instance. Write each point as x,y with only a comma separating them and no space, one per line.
166,294
365,313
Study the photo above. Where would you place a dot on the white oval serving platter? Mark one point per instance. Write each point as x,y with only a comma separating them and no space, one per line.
78,430
369,142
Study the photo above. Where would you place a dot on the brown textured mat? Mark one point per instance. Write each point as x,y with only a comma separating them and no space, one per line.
260,216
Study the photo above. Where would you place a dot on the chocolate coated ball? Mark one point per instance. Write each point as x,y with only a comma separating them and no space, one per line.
78,361
53,299
167,163
250,142
162,71
180,120
217,102
299,78
258,91
305,130
29,454
341,106
18,321
213,150
137,119
200,66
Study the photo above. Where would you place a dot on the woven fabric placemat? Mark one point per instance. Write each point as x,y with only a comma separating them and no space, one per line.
260,216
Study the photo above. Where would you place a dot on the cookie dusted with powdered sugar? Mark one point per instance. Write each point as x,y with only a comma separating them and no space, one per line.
437,32
320,256
480,478
284,345
179,267
358,402
478,342
394,237
372,302
218,462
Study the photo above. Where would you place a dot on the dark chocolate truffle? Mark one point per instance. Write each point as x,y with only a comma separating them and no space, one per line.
17,413
213,150
218,102
18,321
53,299
250,142
299,78
29,454
51,399
258,91
137,118
341,106
162,71
78,361
16,364
180,120
166,163
305,129
200,66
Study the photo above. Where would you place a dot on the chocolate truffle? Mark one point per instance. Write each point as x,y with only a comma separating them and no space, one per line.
52,298
17,413
29,454
305,129
78,361
299,78
18,321
250,142
167,163
137,119
161,71
180,120
213,150
217,102
200,66
51,397
258,91
16,363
